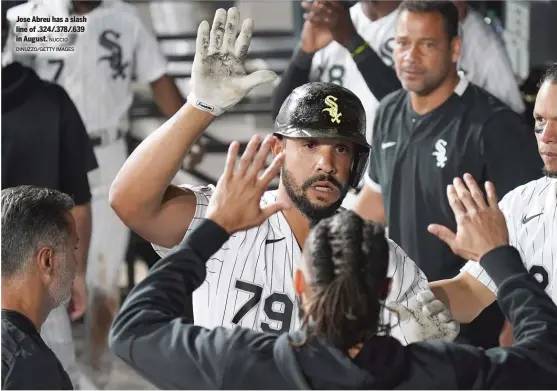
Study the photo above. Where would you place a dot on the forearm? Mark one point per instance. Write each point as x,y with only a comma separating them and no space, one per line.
295,75
533,316
149,324
142,181
523,301
531,313
465,296
167,96
83,222
369,205
380,78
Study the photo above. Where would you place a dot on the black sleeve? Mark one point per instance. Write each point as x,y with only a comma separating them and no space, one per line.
531,363
295,75
149,334
510,152
380,78
76,153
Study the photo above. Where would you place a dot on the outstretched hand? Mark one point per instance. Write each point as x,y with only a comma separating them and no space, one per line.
481,226
219,78
236,203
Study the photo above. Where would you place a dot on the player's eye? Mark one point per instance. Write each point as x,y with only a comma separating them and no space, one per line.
310,145
343,149
539,125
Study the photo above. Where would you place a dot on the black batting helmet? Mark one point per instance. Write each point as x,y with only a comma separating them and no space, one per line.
326,111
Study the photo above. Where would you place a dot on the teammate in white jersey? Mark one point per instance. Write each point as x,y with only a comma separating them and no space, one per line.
531,215
354,47
321,132
115,51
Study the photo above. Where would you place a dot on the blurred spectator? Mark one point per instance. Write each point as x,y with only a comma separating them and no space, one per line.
39,239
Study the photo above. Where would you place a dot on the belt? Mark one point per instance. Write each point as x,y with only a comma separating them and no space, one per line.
105,137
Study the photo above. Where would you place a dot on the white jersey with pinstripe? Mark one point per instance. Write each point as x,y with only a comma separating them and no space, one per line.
250,279
531,214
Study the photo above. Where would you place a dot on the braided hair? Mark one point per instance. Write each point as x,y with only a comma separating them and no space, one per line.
346,263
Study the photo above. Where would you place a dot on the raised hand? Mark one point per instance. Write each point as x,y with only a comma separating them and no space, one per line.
425,318
219,78
329,20
313,37
481,225
236,203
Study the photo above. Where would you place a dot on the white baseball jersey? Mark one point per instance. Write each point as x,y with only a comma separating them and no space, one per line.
484,60
97,75
250,280
531,214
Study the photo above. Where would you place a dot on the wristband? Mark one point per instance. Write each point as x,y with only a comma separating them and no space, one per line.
192,100
357,46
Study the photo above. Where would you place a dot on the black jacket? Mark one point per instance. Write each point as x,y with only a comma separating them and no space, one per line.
27,363
44,140
149,335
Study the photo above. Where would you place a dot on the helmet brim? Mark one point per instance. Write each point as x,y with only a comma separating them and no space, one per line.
330,134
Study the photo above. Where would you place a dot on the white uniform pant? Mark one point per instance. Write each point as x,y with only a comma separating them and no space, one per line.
109,238
107,252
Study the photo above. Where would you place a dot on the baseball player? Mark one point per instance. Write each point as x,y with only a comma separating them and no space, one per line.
321,131
342,282
353,47
531,214
98,74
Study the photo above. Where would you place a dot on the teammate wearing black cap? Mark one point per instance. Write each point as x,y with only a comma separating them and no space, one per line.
320,130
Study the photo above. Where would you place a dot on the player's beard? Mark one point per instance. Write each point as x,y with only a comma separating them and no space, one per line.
298,196
61,290
549,174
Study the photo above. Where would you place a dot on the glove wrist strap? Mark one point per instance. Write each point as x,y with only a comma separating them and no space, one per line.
192,100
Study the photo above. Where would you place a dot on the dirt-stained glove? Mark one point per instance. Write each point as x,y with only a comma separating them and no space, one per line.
219,78
425,317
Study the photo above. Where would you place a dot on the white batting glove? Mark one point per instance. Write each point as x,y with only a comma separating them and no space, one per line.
219,78
424,318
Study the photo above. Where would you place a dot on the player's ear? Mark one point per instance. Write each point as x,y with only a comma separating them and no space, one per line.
299,283
456,46
46,263
278,145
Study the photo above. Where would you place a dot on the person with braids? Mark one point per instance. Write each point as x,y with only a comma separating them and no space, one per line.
342,286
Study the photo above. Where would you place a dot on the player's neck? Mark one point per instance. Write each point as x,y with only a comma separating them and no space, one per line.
28,301
423,104
298,223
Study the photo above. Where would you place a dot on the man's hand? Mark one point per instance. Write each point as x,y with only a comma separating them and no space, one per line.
236,202
313,36
481,225
219,78
332,16
78,301
425,318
